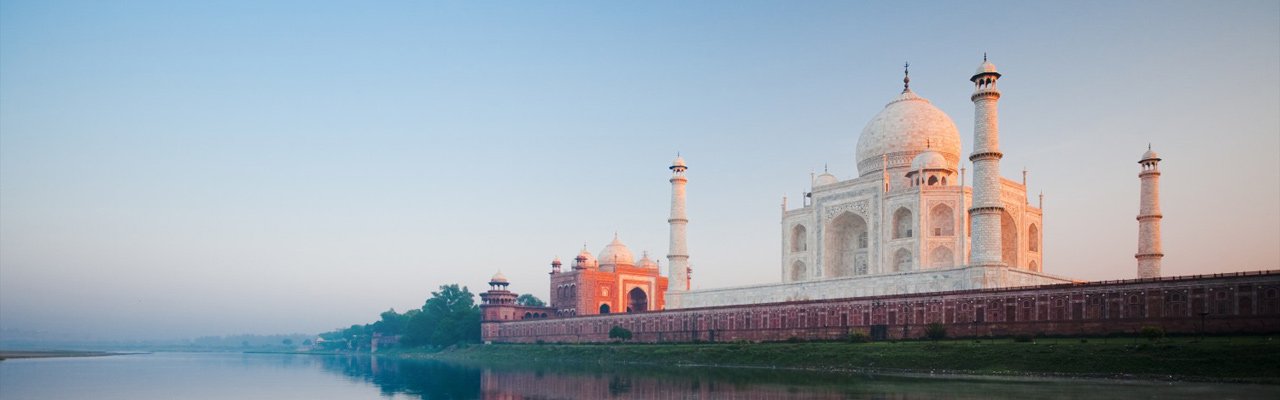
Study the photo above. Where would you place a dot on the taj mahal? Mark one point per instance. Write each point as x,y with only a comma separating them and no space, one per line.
905,243
908,223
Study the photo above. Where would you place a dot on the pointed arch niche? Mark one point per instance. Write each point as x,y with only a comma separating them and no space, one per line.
941,257
902,260
799,271
799,239
902,223
845,246
942,220
1009,239
1033,238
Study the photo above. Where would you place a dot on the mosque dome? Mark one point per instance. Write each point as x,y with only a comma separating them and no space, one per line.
584,259
907,126
498,278
826,179
616,254
930,159
646,262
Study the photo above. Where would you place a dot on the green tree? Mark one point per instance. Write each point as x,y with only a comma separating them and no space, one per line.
287,342
393,323
530,300
306,342
449,316
620,333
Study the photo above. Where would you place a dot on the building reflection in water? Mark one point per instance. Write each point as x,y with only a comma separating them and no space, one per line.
429,379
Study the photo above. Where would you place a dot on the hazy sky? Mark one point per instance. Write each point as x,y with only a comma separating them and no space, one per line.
189,168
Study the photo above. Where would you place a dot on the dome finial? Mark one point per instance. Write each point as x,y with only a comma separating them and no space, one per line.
906,77
824,167
984,56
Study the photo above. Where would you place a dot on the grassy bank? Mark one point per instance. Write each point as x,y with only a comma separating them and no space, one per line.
1246,359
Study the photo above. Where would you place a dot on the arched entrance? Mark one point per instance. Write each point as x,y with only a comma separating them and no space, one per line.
604,308
845,242
639,300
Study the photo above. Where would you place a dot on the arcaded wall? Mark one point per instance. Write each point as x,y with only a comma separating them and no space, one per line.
1243,302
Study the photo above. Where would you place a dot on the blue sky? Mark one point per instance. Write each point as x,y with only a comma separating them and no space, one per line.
179,169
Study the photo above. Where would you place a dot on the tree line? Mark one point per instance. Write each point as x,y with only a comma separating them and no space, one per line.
450,316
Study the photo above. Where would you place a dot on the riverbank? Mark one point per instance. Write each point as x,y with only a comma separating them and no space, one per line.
14,354
1239,359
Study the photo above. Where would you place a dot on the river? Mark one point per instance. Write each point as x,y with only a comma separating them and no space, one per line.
201,376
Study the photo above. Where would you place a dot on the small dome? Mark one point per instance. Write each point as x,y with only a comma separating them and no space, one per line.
1150,155
616,254
585,259
986,68
498,278
826,179
930,159
646,262
556,261
678,163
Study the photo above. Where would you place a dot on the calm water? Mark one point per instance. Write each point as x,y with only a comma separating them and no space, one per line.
277,376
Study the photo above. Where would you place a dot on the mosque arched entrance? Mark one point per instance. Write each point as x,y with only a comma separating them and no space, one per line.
604,308
638,300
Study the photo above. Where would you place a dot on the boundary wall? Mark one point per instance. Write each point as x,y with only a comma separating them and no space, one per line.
1245,302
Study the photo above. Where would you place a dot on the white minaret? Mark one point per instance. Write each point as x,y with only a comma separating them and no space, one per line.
987,207
678,256
1149,253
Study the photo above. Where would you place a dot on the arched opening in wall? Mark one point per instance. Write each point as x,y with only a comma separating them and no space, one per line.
1033,266
1009,239
639,301
944,181
902,223
799,239
1033,238
902,260
528,315
845,251
604,308
1270,301
943,220
933,180
799,271
941,257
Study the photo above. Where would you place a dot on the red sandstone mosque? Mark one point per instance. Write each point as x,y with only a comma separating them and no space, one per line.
903,245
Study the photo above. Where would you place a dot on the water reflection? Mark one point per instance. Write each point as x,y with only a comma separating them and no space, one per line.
438,380
425,378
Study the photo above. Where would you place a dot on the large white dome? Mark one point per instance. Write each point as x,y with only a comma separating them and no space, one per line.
906,127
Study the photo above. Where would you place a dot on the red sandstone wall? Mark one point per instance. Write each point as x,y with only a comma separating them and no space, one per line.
1246,302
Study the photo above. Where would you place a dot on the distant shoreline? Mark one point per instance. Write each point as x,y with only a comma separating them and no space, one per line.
18,354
